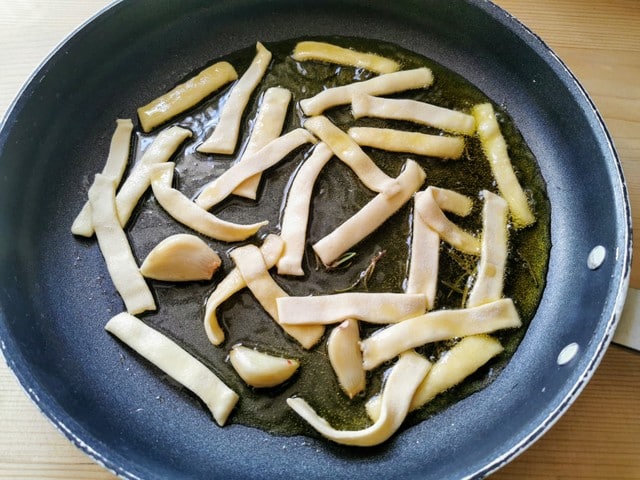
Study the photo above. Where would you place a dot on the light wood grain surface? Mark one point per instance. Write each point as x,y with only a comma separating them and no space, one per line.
599,437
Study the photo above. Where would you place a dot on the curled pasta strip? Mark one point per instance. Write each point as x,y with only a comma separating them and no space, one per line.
398,390
270,249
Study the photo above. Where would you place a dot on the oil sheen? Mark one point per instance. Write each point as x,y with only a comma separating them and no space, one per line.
337,195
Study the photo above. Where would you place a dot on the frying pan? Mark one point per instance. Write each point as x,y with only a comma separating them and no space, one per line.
140,425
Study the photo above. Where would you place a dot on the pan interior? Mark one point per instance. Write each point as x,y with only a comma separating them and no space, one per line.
141,425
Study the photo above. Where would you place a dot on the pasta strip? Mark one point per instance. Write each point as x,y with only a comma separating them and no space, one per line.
250,263
188,213
267,126
327,52
423,261
432,215
453,121
347,150
493,257
296,211
225,136
408,142
452,201
436,326
185,95
114,169
169,357
399,388
370,307
464,358
382,85
275,151
234,282
371,216
495,148
115,248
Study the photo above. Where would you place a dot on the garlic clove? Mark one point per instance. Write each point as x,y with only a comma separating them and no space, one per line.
179,258
260,369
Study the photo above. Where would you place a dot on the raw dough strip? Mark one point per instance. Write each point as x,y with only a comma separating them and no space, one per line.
115,248
493,257
436,326
431,213
369,307
225,136
275,151
364,105
423,261
138,180
327,52
296,211
371,216
385,84
347,150
114,168
169,357
408,142
234,282
252,267
399,388
455,365
452,201
185,95
188,213
267,126
495,148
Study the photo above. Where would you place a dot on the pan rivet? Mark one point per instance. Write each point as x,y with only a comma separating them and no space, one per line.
567,353
596,257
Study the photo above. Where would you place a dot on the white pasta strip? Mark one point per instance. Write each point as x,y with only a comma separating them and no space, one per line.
115,248
371,216
399,387
495,148
250,263
225,136
345,356
453,121
493,257
370,307
382,85
185,95
169,357
347,150
435,326
234,282
455,365
408,142
452,201
432,215
267,126
188,213
423,261
272,153
137,182
327,52
114,168
296,211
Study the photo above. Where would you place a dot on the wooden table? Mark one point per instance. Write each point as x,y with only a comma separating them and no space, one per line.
599,437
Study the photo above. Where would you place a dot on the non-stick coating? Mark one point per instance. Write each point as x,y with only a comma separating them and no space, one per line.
55,295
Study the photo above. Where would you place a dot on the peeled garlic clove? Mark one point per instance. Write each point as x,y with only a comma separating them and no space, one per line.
345,357
260,369
179,258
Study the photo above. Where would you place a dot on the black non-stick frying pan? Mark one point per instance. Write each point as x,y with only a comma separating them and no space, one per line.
57,131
